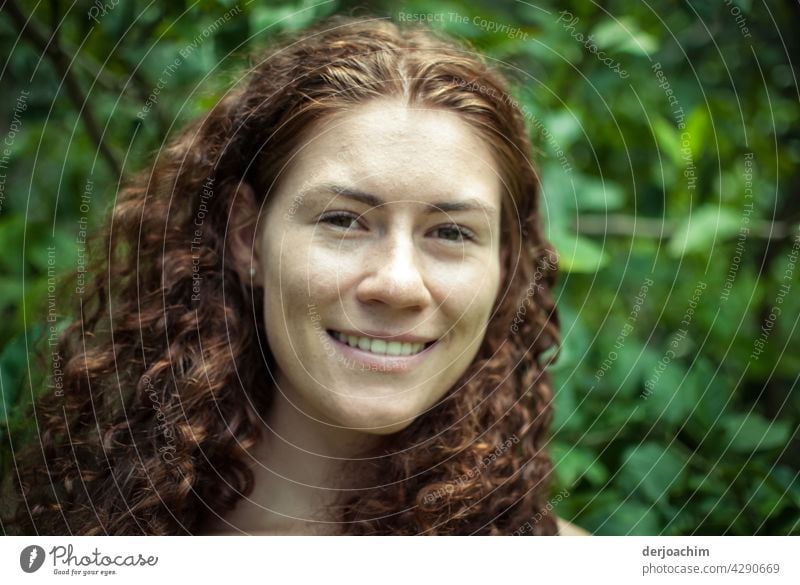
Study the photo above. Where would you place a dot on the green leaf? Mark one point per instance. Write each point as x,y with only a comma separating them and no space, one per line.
571,463
623,518
13,365
745,433
577,254
62,254
668,394
265,18
10,291
788,482
653,470
565,128
619,364
705,227
566,416
623,34
11,230
697,127
712,404
766,497
10,374
668,139
595,194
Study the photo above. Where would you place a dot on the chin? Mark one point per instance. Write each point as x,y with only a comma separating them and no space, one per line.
376,422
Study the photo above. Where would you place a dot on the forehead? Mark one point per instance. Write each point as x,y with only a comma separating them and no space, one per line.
401,151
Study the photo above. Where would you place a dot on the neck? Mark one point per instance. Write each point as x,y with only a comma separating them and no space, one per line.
298,468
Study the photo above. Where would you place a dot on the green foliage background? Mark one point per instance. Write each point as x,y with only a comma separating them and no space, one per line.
662,427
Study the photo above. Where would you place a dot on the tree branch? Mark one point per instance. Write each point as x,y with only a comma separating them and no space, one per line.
48,45
629,226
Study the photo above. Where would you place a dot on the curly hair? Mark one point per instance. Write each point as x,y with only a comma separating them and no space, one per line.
151,430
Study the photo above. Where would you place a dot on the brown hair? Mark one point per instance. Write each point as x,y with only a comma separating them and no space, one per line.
151,430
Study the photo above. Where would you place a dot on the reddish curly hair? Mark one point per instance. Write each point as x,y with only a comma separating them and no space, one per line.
151,431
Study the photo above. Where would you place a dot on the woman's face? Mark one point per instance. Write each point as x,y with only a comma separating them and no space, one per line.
380,264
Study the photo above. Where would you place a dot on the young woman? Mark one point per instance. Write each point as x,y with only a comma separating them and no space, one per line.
324,310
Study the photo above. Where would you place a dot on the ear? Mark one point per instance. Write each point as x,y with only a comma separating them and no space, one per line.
243,246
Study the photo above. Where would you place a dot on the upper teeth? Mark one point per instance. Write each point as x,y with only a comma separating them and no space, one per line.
380,346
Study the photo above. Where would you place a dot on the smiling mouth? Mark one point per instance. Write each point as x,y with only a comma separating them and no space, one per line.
381,346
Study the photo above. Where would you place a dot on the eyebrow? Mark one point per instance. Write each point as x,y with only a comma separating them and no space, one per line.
469,204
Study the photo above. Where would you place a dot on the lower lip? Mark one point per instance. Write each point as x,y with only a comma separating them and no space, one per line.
368,361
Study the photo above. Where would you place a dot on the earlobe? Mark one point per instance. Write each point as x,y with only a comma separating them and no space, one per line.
243,244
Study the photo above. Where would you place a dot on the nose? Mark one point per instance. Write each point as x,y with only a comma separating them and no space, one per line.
393,275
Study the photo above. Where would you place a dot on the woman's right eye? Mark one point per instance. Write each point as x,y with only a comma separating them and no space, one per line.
341,220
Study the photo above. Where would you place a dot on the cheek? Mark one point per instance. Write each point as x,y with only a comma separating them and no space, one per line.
297,270
329,274
467,291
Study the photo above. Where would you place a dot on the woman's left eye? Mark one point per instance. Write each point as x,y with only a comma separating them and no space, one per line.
341,220
454,233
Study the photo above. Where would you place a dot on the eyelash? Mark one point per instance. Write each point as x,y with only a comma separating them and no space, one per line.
465,233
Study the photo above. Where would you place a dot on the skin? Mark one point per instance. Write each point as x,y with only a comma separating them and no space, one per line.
328,258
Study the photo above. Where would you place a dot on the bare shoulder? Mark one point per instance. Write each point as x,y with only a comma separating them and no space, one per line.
568,529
